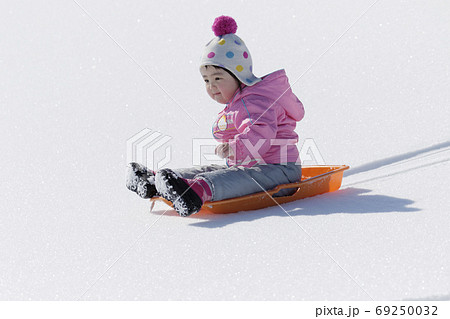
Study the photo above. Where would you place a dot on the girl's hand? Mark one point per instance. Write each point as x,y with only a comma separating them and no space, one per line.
224,150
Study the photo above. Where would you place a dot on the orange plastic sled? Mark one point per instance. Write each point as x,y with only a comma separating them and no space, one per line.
316,180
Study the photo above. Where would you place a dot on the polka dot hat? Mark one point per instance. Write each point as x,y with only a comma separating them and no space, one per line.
227,50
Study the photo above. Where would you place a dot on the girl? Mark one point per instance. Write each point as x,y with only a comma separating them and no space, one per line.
255,129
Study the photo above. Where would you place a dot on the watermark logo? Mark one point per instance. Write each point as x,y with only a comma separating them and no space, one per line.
203,151
310,154
149,148
152,149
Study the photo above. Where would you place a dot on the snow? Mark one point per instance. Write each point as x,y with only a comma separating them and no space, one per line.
78,79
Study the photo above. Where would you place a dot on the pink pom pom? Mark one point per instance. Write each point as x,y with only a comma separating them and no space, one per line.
224,25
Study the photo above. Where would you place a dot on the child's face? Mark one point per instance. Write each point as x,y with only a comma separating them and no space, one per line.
220,85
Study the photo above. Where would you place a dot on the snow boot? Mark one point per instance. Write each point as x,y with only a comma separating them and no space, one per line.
177,190
141,180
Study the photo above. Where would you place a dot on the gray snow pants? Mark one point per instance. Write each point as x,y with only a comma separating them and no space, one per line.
235,181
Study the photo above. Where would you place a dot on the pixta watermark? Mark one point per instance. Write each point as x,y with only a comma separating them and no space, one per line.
154,150
203,151
150,148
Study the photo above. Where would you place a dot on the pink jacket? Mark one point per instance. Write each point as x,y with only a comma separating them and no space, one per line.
259,123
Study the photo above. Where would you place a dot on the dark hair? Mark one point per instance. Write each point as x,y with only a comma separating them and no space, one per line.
229,72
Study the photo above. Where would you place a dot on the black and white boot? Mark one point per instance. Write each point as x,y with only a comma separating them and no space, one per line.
141,180
176,190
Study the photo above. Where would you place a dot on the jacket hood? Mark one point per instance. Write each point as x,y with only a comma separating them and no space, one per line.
275,87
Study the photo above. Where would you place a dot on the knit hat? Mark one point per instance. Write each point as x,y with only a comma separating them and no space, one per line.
228,51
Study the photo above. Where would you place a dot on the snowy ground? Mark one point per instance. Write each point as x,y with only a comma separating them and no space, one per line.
80,78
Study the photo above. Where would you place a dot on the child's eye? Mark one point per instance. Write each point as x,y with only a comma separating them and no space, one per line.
206,81
217,79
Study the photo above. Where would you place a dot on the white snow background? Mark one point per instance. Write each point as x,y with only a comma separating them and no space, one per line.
80,78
